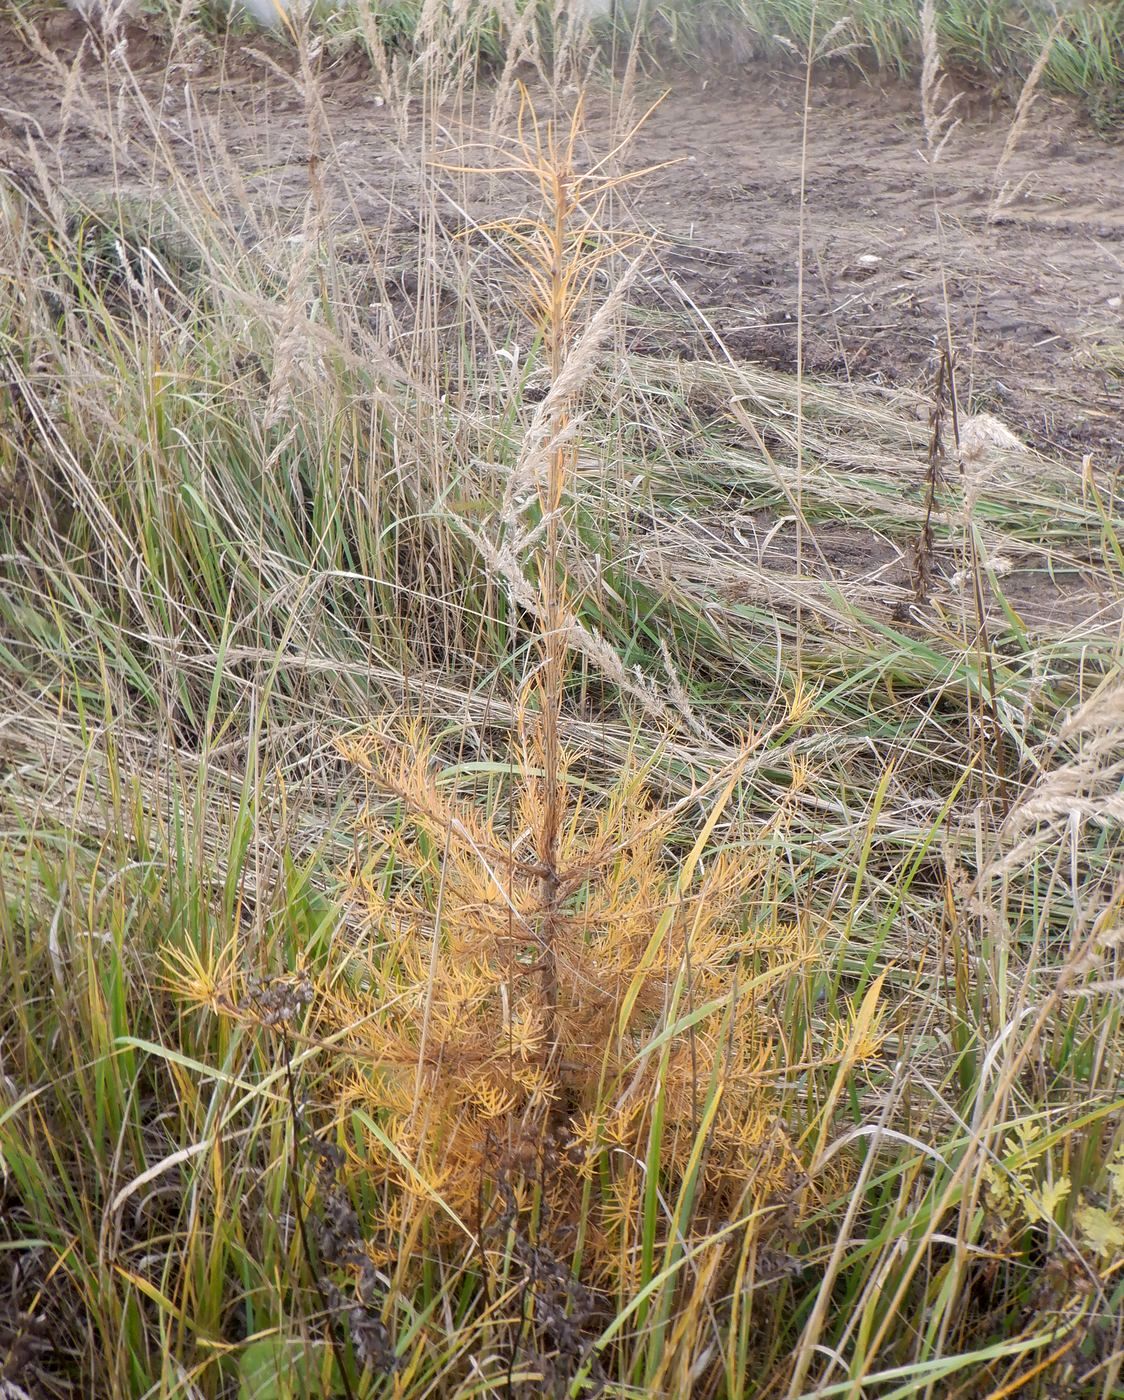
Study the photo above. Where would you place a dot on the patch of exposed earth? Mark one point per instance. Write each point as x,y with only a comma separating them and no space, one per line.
1028,265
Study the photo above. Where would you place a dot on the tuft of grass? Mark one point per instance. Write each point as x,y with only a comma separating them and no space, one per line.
450,946
982,39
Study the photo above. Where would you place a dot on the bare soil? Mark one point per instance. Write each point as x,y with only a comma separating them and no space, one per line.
1031,289
892,244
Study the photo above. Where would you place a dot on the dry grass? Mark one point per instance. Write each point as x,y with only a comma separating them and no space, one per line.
481,914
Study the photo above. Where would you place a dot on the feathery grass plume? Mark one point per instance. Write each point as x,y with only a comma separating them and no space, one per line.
937,116
1003,193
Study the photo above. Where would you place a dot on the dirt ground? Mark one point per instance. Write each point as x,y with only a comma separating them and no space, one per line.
1031,294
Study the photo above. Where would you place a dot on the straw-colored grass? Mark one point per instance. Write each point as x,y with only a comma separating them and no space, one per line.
475,918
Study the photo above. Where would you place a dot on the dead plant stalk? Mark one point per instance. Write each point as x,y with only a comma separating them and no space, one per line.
553,642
